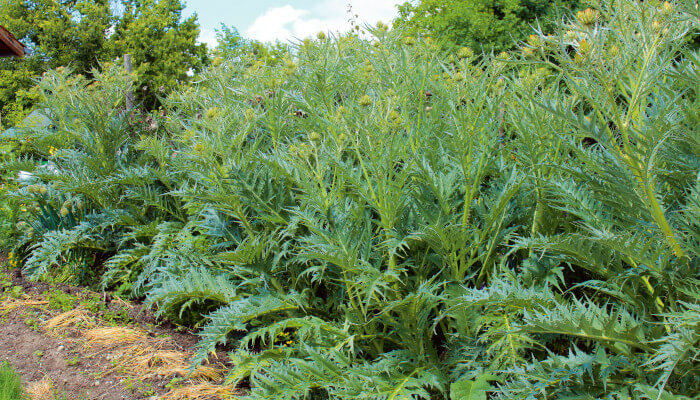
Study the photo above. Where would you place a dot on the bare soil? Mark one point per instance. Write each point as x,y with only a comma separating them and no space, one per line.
76,369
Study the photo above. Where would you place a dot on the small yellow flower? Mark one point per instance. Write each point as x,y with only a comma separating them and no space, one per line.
52,150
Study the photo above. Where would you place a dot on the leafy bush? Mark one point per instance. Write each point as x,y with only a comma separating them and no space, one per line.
374,219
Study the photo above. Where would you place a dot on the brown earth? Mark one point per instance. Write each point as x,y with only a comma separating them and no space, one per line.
79,354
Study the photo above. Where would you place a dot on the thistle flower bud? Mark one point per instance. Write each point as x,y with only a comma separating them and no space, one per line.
666,9
465,52
249,114
321,36
64,212
211,113
584,47
587,17
365,101
314,137
42,190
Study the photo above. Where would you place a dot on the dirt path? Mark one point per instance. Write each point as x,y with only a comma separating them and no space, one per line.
69,343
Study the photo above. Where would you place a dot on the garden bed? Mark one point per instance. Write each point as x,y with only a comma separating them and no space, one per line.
69,342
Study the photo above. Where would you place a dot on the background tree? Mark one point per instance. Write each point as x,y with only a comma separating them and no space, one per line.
163,45
57,33
84,34
231,46
483,25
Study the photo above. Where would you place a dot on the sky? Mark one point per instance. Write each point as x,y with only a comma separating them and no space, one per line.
285,20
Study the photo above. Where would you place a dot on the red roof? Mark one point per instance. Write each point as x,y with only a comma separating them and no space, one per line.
9,46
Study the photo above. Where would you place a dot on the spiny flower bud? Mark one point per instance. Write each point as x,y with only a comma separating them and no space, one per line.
249,114
584,47
666,9
535,41
409,41
365,101
211,113
314,137
321,35
587,17
64,212
465,52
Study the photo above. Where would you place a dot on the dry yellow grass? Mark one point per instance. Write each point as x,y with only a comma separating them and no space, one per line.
41,390
200,391
113,336
12,304
146,357
74,318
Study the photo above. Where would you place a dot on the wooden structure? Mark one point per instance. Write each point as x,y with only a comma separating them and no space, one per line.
9,46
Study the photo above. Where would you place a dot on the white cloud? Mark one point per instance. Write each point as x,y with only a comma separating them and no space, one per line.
208,36
289,23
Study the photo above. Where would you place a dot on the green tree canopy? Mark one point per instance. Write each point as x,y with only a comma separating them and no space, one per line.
483,25
234,46
163,45
84,34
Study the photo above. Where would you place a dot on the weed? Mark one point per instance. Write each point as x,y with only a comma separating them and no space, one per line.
10,383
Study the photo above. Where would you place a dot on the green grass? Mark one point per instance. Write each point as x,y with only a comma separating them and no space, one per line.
10,384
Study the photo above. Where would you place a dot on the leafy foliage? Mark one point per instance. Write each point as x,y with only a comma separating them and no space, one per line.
84,35
376,219
481,25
